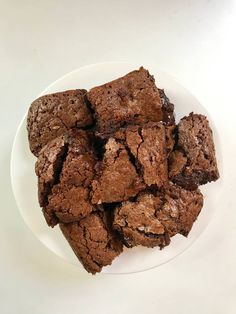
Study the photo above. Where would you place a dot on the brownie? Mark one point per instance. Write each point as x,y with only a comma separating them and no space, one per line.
137,222
65,193
131,99
148,145
52,115
155,217
193,162
93,241
180,209
116,179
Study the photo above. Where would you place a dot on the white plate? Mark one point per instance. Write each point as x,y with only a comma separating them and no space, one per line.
24,181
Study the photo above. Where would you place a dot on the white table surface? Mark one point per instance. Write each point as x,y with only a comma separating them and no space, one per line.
192,39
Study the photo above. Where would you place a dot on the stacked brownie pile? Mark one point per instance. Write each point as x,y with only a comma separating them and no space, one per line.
114,169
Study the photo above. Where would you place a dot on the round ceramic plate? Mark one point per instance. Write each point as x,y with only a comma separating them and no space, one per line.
24,180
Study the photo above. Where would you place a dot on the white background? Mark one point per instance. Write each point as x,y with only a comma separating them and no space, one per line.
193,40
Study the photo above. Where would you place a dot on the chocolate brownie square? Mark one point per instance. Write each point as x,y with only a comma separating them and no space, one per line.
131,99
65,193
52,115
155,217
137,223
93,241
193,162
117,178
179,210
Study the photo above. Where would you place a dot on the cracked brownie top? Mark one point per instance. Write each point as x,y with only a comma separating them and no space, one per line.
65,192
116,177
93,241
153,218
52,115
193,162
131,99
